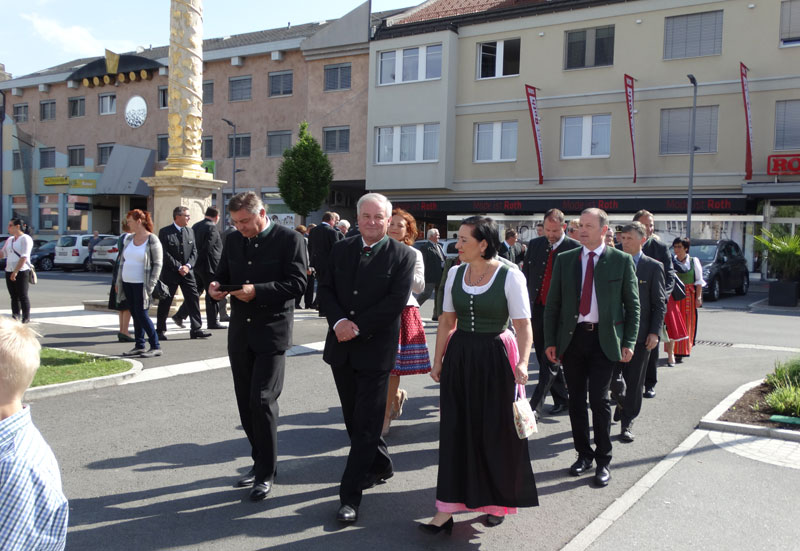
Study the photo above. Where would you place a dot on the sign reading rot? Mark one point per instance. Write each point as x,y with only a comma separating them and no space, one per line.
783,165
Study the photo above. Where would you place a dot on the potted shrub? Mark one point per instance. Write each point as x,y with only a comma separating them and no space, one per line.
783,256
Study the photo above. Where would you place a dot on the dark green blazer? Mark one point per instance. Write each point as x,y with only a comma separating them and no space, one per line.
617,291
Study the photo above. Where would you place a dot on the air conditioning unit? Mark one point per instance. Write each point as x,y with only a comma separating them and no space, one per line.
277,55
237,61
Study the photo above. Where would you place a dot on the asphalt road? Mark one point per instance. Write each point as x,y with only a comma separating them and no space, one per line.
151,465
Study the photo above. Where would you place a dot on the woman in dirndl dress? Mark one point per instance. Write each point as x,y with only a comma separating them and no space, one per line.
689,270
483,465
412,350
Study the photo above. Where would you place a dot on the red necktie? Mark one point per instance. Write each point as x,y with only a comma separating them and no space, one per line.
588,283
548,274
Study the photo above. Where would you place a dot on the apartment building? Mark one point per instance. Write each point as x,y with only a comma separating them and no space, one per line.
78,138
451,134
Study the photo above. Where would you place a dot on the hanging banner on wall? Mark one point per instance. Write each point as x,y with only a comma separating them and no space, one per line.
748,160
530,91
629,100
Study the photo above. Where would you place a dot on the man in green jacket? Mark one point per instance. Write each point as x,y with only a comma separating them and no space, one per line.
591,320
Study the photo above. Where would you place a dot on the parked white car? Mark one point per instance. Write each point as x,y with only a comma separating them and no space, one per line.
72,251
105,253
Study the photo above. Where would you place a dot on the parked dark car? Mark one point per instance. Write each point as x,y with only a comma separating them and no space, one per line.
724,267
43,256
36,244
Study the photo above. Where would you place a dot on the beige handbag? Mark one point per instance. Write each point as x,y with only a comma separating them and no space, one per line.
524,419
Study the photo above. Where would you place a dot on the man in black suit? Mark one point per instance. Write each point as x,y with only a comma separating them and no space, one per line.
363,292
656,250
267,262
209,251
433,258
508,248
180,257
652,308
538,270
320,241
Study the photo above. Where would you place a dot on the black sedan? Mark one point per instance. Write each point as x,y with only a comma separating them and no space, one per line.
724,267
43,255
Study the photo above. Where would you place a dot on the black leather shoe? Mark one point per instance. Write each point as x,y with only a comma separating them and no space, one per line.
161,336
347,513
260,490
178,321
432,529
216,326
649,392
374,479
582,465
627,434
601,476
494,520
558,408
199,334
617,413
246,480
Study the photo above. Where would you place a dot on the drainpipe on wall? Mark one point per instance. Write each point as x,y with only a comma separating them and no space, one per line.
2,133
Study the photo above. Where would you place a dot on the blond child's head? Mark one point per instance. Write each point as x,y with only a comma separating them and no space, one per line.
19,358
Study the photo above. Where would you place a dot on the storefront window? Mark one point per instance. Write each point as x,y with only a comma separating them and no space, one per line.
19,207
48,213
78,213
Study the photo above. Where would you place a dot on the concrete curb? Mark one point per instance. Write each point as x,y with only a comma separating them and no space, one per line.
763,306
85,384
711,419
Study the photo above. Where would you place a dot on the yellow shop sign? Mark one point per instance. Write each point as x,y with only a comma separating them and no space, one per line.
56,181
83,184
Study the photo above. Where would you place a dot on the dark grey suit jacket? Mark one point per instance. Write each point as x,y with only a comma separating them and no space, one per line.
175,253
657,250
536,261
652,297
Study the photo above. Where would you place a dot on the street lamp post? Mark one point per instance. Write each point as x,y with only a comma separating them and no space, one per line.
233,170
692,147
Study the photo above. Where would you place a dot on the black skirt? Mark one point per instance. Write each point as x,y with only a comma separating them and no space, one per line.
482,461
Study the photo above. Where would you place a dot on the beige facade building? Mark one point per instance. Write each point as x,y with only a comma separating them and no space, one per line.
74,151
459,139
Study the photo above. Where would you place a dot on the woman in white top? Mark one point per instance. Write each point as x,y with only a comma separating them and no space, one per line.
17,252
483,465
136,278
412,350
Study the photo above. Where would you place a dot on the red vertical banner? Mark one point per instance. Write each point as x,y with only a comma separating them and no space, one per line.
748,160
530,91
629,100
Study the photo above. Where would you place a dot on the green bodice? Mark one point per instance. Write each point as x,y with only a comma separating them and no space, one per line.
483,313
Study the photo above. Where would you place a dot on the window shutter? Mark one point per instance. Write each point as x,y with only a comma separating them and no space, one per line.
787,125
344,77
790,21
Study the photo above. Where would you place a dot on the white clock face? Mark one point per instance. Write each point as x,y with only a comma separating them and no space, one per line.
136,111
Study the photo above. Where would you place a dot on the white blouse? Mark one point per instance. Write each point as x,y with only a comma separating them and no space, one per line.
16,248
698,269
418,281
516,290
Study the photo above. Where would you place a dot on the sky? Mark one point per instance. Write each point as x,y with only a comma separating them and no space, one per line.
37,34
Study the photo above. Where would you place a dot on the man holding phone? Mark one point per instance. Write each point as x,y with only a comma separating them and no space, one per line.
263,268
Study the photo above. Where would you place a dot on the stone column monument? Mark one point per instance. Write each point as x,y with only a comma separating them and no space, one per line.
184,181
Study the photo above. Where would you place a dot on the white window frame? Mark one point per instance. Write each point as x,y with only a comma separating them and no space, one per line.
46,105
78,100
498,60
714,109
590,47
419,143
50,152
163,97
789,34
339,69
239,137
16,159
587,130
422,65
231,80
20,117
781,125
107,104
280,94
690,19
100,148
497,142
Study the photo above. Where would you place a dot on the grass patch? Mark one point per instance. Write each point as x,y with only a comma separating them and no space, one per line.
784,399
60,366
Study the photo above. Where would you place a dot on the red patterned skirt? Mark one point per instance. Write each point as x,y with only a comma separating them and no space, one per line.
412,351
688,309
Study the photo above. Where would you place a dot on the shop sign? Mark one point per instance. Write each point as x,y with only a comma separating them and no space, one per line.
83,184
783,165
56,180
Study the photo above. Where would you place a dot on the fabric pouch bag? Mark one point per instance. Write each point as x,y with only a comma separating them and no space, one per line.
524,420
161,291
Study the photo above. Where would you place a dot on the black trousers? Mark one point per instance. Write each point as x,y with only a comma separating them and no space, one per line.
190,299
585,365
309,295
212,306
18,291
551,377
651,376
362,393
633,373
258,382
